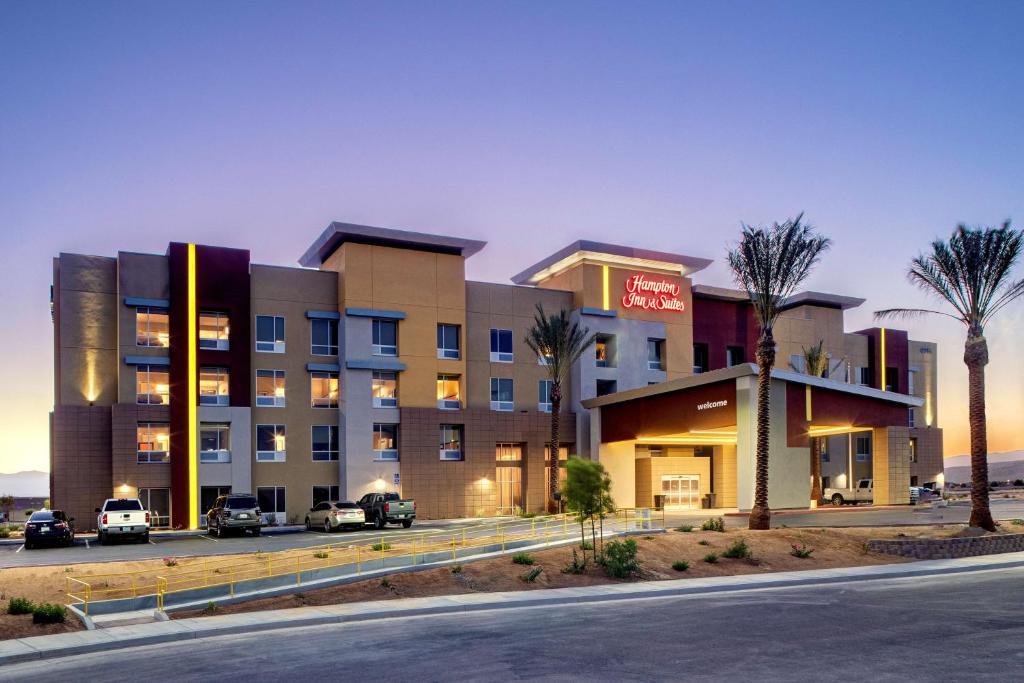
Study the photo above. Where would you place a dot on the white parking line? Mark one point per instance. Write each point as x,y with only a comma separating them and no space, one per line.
87,544
152,543
210,538
20,548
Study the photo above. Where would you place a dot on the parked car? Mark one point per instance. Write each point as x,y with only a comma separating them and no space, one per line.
388,508
864,492
49,527
234,512
125,517
337,515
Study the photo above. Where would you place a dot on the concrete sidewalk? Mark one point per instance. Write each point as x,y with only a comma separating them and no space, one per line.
66,644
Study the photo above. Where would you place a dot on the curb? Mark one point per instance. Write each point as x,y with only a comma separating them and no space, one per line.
120,637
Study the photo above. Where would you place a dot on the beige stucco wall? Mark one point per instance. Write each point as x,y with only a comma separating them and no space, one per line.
891,465
144,276
650,470
804,326
619,460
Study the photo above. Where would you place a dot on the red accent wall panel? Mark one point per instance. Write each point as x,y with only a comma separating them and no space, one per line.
671,413
719,324
836,408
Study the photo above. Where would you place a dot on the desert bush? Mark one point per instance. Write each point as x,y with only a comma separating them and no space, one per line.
456,569
378,547
531,576
739,550
522,558
711,558
385,582
170,562
1017,522
703,542
619,558
801,551
320,555
577,566
680,565
47,613
20,606
713,524
685,528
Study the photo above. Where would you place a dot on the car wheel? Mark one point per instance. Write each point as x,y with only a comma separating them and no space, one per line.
378,522
145,537
101,538
256,531
309,527
327,526
837,500
28,546
406,523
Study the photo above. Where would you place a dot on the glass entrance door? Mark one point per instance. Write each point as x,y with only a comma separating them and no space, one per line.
681,491
509,478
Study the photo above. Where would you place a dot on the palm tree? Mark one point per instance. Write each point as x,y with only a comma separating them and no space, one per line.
816,364
558,342
770,263
972,274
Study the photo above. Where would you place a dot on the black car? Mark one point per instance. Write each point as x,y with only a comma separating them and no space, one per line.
49,527
234,512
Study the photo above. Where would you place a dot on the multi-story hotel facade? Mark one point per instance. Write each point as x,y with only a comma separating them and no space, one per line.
377,366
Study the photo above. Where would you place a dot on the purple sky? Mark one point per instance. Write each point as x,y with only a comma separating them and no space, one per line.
663,125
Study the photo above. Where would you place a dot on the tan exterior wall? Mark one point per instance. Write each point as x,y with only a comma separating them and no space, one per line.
144,276
928,466
724,460
891,465
650,470
80,455
125,468
924,358
802,327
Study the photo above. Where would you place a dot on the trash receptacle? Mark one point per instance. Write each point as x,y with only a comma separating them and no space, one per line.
659,502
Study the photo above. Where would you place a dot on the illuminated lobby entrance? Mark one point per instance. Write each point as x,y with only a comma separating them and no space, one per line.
509,478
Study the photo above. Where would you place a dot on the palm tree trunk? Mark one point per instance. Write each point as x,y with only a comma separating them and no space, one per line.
816,470
760,515
976,358
556,408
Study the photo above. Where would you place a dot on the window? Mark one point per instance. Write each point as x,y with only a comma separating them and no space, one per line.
863,448
911,382
323,388
734,355
158,502
604,351
325,443
324,334
214,442
606,386
152,385
910,417
271,500
385,442
385,337
448,396
797,362
655,354
913,449
451,442
385,389
700,358
154,439
501,346
270,388
892,379
152,327
864,376
270,333
501,394
448,341
270,443
544,396
213,387
328,493
213,331
823,452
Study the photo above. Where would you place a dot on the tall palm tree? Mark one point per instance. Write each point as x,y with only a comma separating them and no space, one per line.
770,263
816,364
972,274
558,342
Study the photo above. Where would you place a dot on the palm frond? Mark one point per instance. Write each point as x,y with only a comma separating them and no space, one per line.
558,341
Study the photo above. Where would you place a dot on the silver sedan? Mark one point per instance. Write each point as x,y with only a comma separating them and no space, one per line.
331,516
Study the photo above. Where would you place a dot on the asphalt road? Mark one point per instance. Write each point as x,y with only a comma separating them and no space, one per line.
964,627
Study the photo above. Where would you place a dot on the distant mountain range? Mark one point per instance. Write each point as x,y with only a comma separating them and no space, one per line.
1001,467
30,484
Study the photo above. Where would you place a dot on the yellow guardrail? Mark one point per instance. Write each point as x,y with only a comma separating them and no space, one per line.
217,571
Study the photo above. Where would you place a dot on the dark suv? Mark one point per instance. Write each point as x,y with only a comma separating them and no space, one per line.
49,526
234,511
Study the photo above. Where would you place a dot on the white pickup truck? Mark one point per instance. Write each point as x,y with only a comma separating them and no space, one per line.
122,517
863,493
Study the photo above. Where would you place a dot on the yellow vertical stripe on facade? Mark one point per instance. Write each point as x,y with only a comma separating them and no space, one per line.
191,397
605,300
807,389
883,361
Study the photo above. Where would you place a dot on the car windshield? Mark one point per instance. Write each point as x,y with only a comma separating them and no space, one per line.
241,503
41,516
392,496
122,505
345,505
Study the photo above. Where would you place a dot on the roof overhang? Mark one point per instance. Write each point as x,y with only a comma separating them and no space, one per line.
799,299
609,254
337,234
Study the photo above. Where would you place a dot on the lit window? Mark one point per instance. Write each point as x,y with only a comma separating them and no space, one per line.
604,351
324,389
270,333
385,337
152,385
544,396
214,443
324,334
270,443
152,327
385,441
325,442
448,396
213,387
501,346
328,493
385,389
154,442
448,341
270,388
213,331
501,394
656,354
451,442
271,500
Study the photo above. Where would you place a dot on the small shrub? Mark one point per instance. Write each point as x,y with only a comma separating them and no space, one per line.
522,558
686,528
711,558
272,519
20,606
739,550
170,562
531,576
713,524
47,613
680,565
378,547
456,569
703,542
619,559
586,545
801,551
320,555
1017,522
528,515
648,538
5,532
385,582
577,566
211,608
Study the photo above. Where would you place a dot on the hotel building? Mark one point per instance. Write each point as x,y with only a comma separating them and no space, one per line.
377,366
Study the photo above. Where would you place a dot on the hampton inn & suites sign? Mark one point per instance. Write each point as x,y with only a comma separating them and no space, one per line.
652,294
